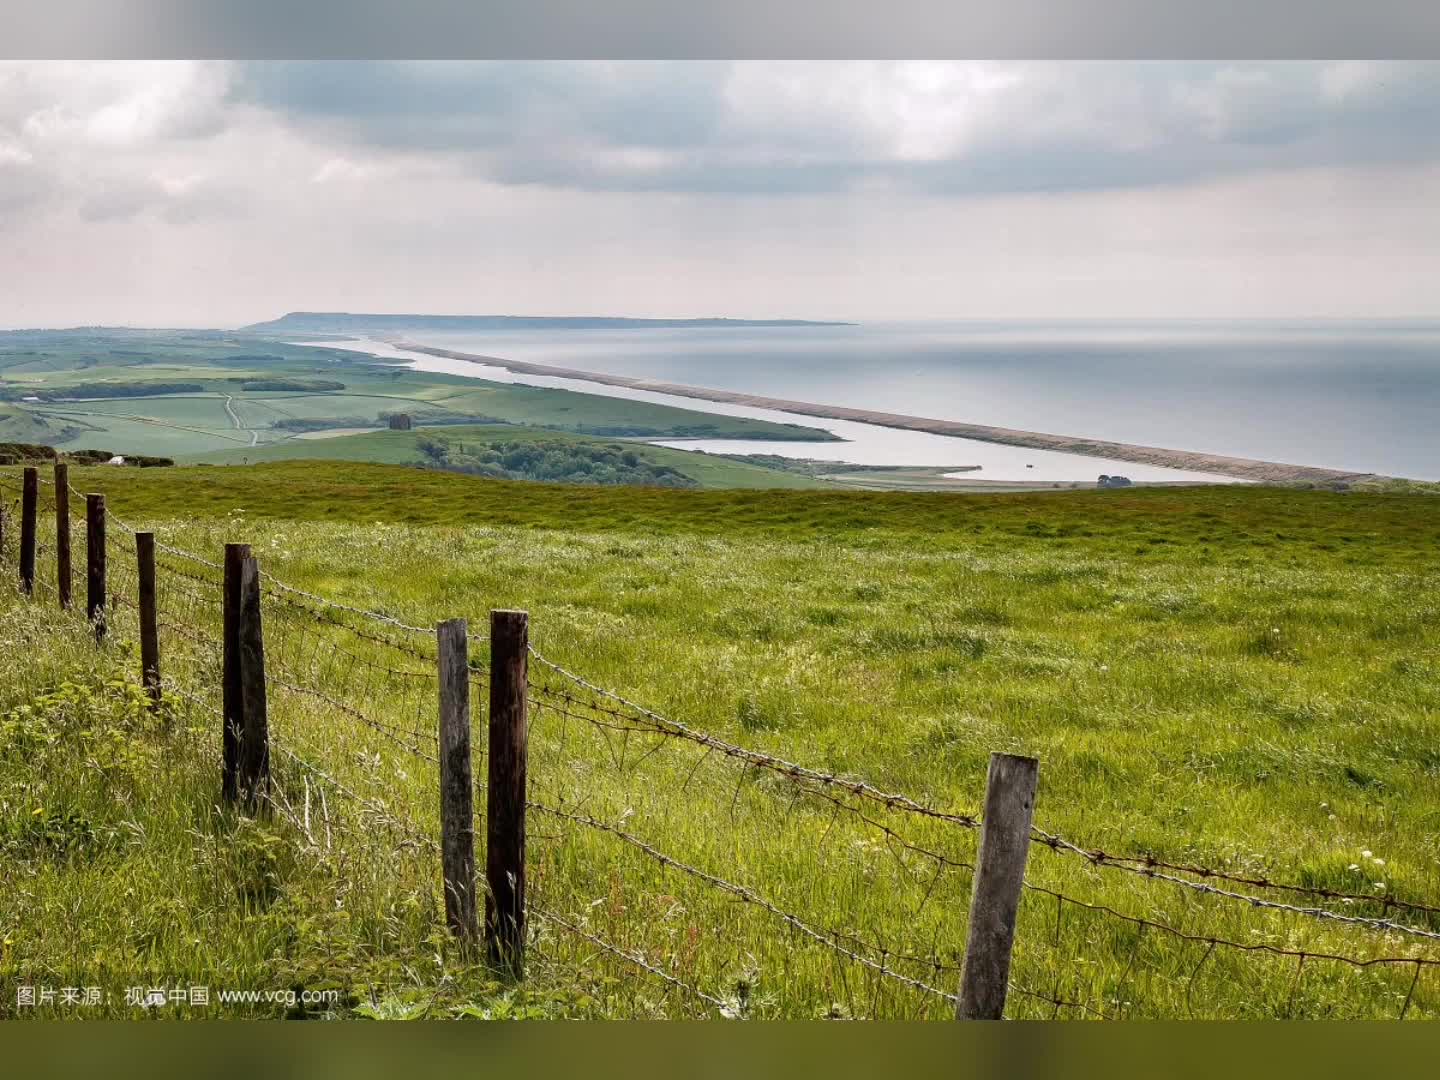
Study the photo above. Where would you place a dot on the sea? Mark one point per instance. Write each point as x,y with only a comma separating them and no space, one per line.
1359,396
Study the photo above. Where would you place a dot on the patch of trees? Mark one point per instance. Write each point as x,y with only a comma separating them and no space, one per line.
299,385
17,453
781,433
322,423
440,416
100,457
635,431
100,390
327,423
24,453
551,461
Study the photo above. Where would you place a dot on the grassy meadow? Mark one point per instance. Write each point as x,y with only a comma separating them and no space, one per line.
1242,678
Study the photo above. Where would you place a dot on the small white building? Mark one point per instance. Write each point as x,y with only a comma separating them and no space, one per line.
116,460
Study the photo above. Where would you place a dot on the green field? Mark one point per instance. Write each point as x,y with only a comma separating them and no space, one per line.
184,395
400,448
1244,679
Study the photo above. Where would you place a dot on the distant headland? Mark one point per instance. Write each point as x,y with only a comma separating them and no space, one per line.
344,322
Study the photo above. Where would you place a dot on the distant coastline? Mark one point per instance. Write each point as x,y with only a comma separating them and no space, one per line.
1241,468
343,322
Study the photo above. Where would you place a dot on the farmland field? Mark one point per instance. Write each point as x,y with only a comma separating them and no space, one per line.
1244,679
196,395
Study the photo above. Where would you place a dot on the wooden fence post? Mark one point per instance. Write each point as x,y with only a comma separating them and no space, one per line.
999,877
149,624
254,778
95,563
29,503
62,534
232,708
457,787
505,798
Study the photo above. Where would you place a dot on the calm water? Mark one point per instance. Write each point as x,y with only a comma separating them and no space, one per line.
1354,396
865,444
1362,397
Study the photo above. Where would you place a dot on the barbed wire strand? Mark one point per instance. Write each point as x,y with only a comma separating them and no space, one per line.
681,730
1058,843
742,892
777,764
629,957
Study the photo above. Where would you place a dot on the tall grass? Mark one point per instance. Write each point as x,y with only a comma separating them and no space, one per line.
1245,680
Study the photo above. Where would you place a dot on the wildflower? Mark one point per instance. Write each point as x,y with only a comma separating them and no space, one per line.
1365,854
1379,884
1354,866
1379,862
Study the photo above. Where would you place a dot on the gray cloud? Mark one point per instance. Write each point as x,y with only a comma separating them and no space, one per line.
475,106
186,204
828,190
957,129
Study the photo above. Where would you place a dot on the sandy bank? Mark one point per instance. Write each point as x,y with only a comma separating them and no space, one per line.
1241,468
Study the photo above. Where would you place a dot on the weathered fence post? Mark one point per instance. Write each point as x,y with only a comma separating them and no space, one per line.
254,778
457,788
62,533
505,798
95,563
999,877
149,624
232,709
29,503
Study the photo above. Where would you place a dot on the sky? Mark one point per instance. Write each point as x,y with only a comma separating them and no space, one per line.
217,193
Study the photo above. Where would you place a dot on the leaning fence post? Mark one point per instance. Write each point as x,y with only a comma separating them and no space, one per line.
254,773
149,625
457,790
62,533
505,798
95,563
232,711
999,877
29,502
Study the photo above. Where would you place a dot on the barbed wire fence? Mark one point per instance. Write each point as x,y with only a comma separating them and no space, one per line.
351,738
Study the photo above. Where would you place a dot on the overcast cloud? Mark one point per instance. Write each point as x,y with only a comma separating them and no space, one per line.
216,193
